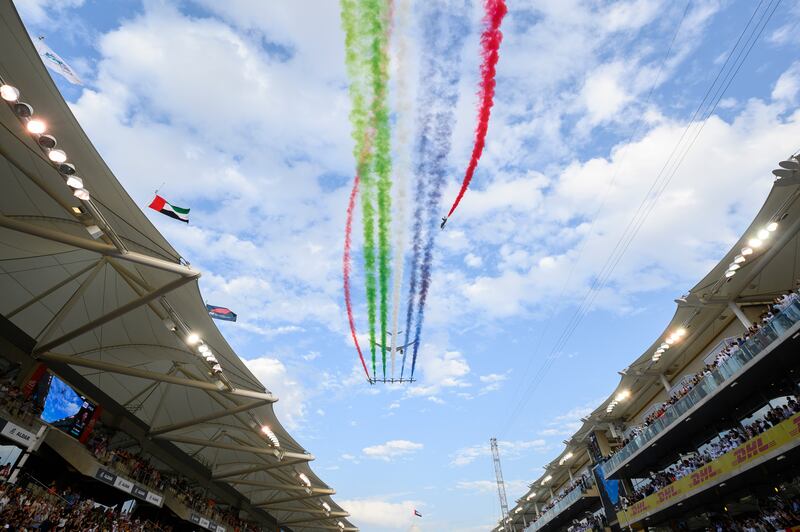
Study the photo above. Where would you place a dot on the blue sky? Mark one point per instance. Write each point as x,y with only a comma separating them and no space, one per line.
241,108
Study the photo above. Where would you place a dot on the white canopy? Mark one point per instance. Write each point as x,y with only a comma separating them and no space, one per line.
119,308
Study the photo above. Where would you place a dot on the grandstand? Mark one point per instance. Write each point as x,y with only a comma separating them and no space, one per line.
703,430
95,301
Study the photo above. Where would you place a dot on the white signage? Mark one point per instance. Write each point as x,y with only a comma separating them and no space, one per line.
152,498
124,485
220,528
18,434
203,522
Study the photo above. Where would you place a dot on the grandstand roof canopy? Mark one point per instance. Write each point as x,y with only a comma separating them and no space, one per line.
703,312
118,308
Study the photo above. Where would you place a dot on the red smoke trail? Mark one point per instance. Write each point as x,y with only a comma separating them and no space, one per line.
348,230
490,51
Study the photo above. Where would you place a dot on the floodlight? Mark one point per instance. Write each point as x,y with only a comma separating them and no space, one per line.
23,110
36,126
192,338
9,93
57,156
81,194
74,181
47,142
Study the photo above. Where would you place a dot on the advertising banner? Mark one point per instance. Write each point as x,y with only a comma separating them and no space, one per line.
771,442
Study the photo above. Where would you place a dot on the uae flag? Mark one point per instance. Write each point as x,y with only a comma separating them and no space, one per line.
221,313
179,213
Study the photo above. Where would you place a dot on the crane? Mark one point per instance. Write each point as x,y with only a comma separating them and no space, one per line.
501,485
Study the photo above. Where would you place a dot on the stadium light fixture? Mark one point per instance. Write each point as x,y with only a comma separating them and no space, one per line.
57,156
664,346
23,110
48,142
565,458
326,506
547,479
772,227
203,348
531,496
9,93
730,273
739,259
192,338
81,194
733,266
747,251
304,479
763,234
74,181
670,340
340,525
755,243
271,436
67,168
621,396
681,332
36,126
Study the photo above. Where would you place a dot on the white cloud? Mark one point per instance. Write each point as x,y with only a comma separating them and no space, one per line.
490,486
392,449
472,260
375,512
441,369
273,374
492,382
510,450
788,84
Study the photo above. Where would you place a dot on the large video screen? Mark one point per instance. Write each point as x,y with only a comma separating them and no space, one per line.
67,409
62,401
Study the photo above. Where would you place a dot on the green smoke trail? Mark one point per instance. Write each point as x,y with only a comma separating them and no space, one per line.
378,25
357,54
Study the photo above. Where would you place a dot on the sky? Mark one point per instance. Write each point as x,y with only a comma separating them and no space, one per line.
239,110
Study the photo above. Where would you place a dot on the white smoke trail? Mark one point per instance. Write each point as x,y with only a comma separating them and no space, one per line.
404,114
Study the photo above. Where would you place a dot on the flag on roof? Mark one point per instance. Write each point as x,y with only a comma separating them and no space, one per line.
417,514
164,207
221,313
54,62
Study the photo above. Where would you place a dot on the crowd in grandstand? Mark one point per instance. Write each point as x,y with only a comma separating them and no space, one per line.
589,524
722,444
581,483
35,508
774,513
136,467
13,401
779,305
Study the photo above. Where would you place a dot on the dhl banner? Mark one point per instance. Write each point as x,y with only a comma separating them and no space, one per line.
769,443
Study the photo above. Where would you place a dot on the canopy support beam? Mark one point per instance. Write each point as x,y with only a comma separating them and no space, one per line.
114,314
243,448
208,417
290,499
281,486
255,469
98,247
149,375
52,289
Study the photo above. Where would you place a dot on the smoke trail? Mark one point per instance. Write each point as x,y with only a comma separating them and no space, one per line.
490,52
348,230
443,39
401,173
378,24
357,52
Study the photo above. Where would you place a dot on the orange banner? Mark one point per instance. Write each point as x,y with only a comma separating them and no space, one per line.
771,442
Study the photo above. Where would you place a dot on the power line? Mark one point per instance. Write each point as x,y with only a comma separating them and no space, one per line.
656,189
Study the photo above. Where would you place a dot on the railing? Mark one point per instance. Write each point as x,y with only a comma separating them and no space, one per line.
559,507
751,348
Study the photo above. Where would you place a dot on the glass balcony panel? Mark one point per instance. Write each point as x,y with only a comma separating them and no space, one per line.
748,350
